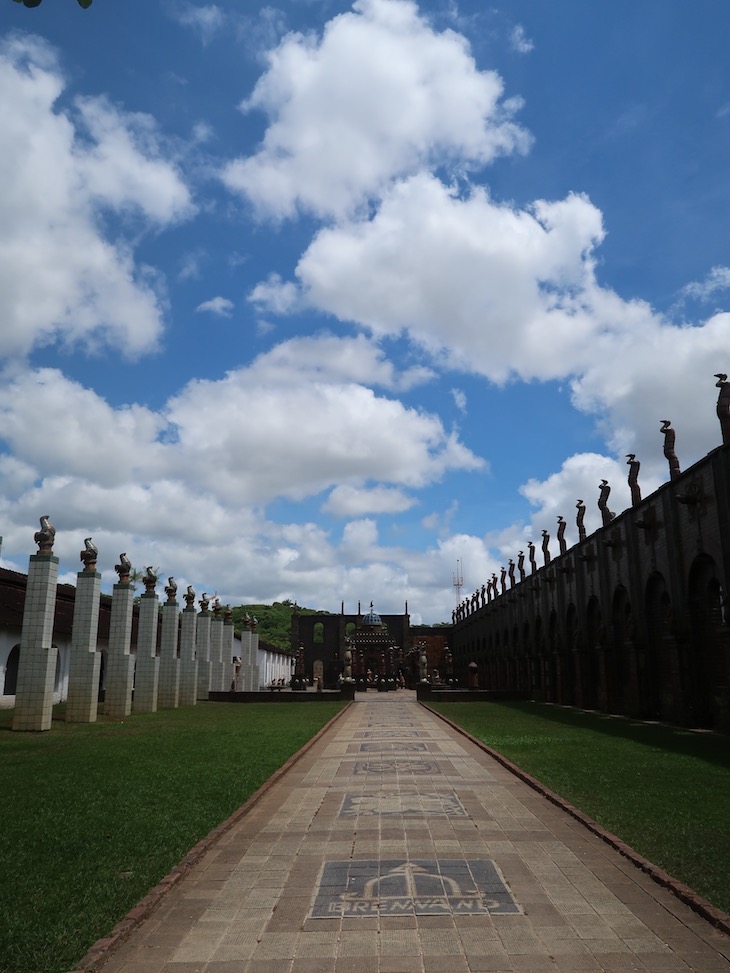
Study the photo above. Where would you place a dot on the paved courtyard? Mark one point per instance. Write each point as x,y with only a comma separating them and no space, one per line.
395,845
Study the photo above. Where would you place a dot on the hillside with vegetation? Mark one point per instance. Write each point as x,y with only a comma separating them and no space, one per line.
274,621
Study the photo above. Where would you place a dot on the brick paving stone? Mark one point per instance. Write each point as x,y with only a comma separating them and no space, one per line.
183,968
353,964
413,810
399,942
400,964
445,964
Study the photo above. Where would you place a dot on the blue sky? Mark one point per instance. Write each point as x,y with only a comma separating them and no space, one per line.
314,300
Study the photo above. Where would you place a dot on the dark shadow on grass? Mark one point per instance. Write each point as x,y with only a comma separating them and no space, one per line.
701,745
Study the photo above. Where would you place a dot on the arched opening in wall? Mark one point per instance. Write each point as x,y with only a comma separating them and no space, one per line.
318,633
568,666
524,676
349,629
505,660
102,674
704,671
552,665
590,670
620,664
654,663
514,659
494,661
537,661
11,671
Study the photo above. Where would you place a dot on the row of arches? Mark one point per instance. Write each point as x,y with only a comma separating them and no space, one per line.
10,677
648,658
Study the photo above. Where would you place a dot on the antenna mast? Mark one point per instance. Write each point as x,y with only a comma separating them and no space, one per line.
458,581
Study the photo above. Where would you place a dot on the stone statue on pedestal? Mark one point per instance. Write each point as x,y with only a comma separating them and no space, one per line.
171,591
669,440
561,535
579,520
723,406
546,547
45,536
634,467
89,555
190,597
123,569
149,580
606,514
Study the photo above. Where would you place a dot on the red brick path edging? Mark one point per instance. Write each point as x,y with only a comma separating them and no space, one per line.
103,949
683,892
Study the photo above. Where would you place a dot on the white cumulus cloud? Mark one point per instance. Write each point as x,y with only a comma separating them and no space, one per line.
221,306
61,277
379,95
353,501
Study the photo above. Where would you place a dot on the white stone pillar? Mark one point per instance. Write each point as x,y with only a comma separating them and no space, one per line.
246,664
217,675
255,675
82,698
202,648
169,691
188,662
229,636
147,674
120,662
37,661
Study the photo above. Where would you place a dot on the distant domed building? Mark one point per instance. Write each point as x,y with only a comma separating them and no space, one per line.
377,660
386,646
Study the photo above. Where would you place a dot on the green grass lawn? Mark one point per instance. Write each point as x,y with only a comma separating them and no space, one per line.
93,816
664,791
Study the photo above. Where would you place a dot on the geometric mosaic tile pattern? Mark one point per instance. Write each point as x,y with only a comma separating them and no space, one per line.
388,734
421,888
419,768
410,805
393,747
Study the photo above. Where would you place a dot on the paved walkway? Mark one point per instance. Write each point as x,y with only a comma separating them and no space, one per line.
395,845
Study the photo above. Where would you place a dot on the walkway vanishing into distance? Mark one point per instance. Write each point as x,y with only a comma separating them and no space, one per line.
396,845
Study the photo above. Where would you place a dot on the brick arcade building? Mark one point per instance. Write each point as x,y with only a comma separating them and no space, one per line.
632,620
374,639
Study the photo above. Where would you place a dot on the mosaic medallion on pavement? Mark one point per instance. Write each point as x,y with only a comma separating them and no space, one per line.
401,734
403,765
393,747
422,888
390,725
411,805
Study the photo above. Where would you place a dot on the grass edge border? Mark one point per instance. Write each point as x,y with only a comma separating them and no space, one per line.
716,917
103,949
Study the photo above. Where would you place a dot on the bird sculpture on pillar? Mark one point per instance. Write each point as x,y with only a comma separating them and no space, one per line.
606,514
579,520
89,554
634,467
669,439
723,406
561,535
45,536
